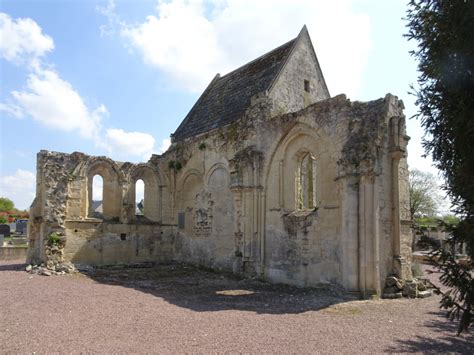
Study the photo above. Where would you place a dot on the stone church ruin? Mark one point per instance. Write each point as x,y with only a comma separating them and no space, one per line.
267,175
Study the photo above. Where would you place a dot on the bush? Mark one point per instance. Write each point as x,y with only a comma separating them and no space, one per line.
55,239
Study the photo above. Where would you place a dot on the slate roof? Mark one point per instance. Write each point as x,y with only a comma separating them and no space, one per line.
226,98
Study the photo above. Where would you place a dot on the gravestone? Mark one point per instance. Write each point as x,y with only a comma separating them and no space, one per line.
12,227
1,240
5,230
21,226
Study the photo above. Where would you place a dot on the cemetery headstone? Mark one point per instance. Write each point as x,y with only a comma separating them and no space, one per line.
5,230
21,226
12,227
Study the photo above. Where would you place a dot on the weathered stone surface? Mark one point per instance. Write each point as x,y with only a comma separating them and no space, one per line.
424,294
298,188
45,272
410,289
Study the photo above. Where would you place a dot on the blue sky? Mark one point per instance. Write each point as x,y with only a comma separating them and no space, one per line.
117,77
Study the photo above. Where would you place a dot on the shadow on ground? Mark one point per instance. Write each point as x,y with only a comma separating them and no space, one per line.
447,342
12,267
203,291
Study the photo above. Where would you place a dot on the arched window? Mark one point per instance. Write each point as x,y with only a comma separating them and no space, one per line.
97,203
306,184
139,197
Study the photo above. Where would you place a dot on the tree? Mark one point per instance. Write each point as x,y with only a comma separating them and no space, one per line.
6,204
424,194
444,31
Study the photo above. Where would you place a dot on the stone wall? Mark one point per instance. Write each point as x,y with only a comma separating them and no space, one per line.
63,205
290,93
13,253
236,198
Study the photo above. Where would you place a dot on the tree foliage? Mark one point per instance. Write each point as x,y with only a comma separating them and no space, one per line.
6,204
444,32
424,194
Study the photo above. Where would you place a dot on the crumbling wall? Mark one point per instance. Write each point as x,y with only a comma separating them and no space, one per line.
63,205
349,239
230,198
48,211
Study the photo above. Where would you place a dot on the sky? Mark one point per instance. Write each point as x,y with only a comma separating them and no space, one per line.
116,78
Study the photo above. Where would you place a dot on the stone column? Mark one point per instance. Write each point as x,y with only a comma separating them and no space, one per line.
396,156
369,279
350,232
248,194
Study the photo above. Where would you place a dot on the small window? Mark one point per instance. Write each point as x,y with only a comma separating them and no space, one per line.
181,220
139,197
307,183
97,202
306,86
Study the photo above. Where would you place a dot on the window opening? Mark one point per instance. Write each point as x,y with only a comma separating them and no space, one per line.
139,197
97,203
307,183
306,86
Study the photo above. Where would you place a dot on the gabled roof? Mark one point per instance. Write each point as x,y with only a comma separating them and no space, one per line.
226,98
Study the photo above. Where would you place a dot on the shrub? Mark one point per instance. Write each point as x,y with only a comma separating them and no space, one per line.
55,239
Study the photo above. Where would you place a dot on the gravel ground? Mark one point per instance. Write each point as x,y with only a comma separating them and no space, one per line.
178,309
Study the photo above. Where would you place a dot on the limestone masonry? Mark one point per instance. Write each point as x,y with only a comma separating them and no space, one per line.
267,175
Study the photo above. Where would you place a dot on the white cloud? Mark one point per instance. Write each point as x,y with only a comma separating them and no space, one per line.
181,42
11,109
46,98
97,188
22,40
54,103
129,144
19,187
108,11
191,42
165,144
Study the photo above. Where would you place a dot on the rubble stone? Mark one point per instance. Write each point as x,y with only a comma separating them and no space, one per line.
410,289
424,294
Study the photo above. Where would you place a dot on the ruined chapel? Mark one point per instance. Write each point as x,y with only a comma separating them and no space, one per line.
267,175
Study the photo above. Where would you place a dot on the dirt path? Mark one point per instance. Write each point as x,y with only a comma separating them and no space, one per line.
175,309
